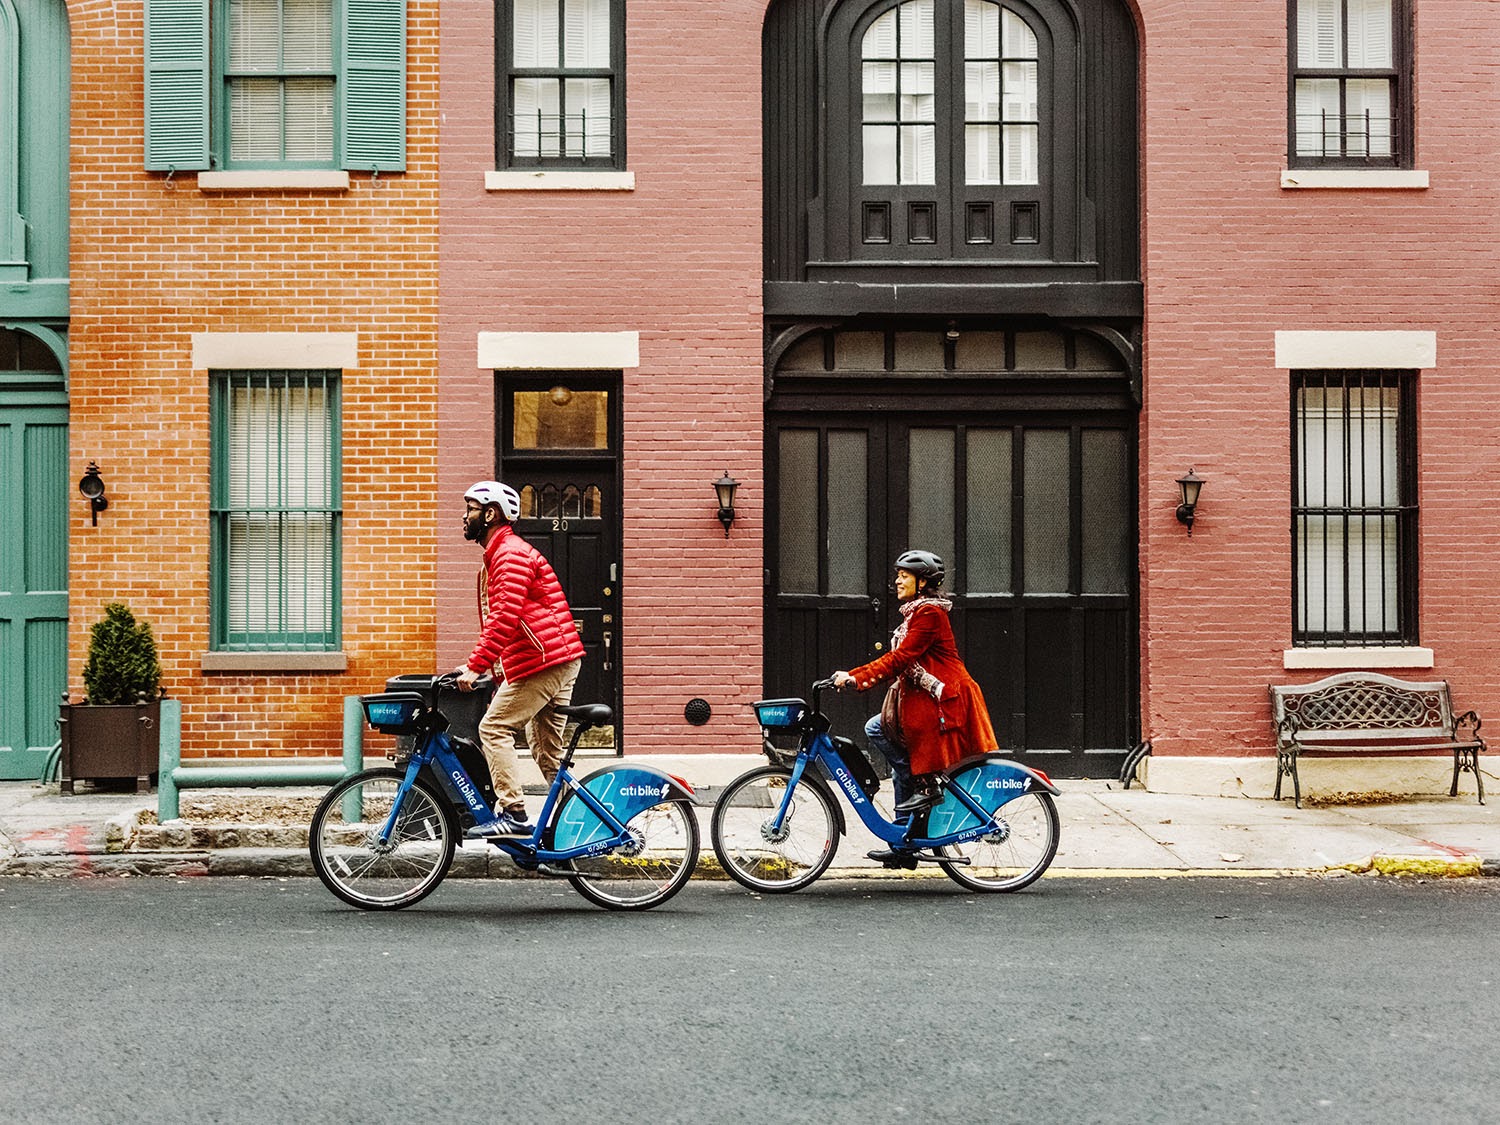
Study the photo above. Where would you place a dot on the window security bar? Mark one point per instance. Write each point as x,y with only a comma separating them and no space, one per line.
560,136
1354,509
1351,136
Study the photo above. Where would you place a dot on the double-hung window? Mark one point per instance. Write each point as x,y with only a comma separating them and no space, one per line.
279,82
276,511
561,83
1354,511
1350,78
276,84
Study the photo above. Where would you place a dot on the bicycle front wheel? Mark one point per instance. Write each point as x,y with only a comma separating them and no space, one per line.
364,871
1014,855
653,867
762,857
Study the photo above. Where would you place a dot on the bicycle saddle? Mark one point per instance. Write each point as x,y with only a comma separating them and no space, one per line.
589,714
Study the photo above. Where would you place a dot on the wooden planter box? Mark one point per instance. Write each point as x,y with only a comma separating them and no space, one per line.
110,741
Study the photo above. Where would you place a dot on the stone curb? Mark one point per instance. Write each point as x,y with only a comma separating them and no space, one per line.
472,863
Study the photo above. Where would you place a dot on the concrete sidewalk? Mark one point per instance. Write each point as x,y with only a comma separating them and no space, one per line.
1106,830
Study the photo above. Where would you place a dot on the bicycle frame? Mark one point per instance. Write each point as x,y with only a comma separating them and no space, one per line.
961,812
627,790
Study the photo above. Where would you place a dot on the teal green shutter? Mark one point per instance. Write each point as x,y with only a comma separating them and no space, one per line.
177,70
372,86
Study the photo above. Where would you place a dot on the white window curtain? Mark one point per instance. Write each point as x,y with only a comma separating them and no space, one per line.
280,550
562,115
281,88
1001,77
1347,554
899,91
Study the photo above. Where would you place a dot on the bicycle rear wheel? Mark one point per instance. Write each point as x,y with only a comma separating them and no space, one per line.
761,857
648,871
354,864
1013,855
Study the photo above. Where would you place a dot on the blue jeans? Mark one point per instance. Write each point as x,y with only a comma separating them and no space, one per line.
899,759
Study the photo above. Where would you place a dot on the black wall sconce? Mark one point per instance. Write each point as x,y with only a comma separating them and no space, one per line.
1189,487
92,487
724,489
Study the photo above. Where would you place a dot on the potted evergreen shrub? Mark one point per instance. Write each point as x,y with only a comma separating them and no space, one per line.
115,731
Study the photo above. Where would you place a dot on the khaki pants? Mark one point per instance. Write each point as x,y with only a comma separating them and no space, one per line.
532,703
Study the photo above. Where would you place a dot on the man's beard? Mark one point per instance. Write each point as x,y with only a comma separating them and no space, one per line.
474,529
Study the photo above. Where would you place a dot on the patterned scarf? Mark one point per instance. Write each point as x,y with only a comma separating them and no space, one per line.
917,676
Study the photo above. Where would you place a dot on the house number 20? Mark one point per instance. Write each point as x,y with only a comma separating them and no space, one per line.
559,525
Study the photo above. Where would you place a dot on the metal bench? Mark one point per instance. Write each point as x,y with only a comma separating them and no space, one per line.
1365,712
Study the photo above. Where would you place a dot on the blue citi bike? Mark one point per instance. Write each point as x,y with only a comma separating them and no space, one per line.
777,828
625,836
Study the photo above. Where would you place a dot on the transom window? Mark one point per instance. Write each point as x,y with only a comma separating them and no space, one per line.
1350,82
1354,508
276,510
561,89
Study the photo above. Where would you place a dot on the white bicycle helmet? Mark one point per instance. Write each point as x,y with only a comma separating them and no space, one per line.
493,492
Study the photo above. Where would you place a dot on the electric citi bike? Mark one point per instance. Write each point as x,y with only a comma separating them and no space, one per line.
625,836
777,828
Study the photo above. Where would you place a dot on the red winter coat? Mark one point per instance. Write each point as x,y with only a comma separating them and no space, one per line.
937,734
525,623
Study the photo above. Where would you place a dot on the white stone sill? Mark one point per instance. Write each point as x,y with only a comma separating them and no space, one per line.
274,662
1351,659
312,180
541,180
1354,178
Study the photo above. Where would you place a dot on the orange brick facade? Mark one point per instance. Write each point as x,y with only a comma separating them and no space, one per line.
155,261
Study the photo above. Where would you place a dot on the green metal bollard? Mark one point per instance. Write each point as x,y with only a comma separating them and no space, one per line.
354,753
168,759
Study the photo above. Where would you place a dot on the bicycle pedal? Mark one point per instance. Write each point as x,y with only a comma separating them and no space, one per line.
931,857
554,872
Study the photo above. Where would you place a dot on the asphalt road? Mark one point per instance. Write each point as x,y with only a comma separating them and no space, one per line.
240,1000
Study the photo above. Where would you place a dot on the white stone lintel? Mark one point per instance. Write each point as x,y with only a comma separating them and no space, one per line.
1325,350
231,351
559,351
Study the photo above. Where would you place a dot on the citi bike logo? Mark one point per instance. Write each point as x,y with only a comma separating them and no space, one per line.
466,788
644,790
856,795
1020,783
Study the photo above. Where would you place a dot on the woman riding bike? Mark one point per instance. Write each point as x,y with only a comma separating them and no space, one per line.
937,706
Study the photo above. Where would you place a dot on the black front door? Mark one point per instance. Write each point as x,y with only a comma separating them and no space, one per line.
558,450
1033,512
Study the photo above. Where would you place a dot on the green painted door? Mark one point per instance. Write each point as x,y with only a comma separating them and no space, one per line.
33,578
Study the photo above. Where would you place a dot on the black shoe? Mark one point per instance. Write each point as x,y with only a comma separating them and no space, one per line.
890,857
921,799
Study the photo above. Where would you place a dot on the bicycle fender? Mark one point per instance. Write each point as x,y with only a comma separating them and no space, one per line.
990,780
626,791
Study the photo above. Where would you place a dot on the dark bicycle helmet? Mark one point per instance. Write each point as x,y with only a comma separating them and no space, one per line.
924,564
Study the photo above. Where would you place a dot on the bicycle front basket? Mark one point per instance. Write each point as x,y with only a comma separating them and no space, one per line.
394,712
780,713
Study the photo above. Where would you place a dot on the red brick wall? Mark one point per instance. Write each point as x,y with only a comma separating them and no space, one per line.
677,260
154,262
1232,257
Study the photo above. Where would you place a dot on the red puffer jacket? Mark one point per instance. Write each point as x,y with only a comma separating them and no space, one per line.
525,623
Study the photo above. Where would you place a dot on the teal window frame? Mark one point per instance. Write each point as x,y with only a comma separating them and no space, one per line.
225,76
186,103
272,618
